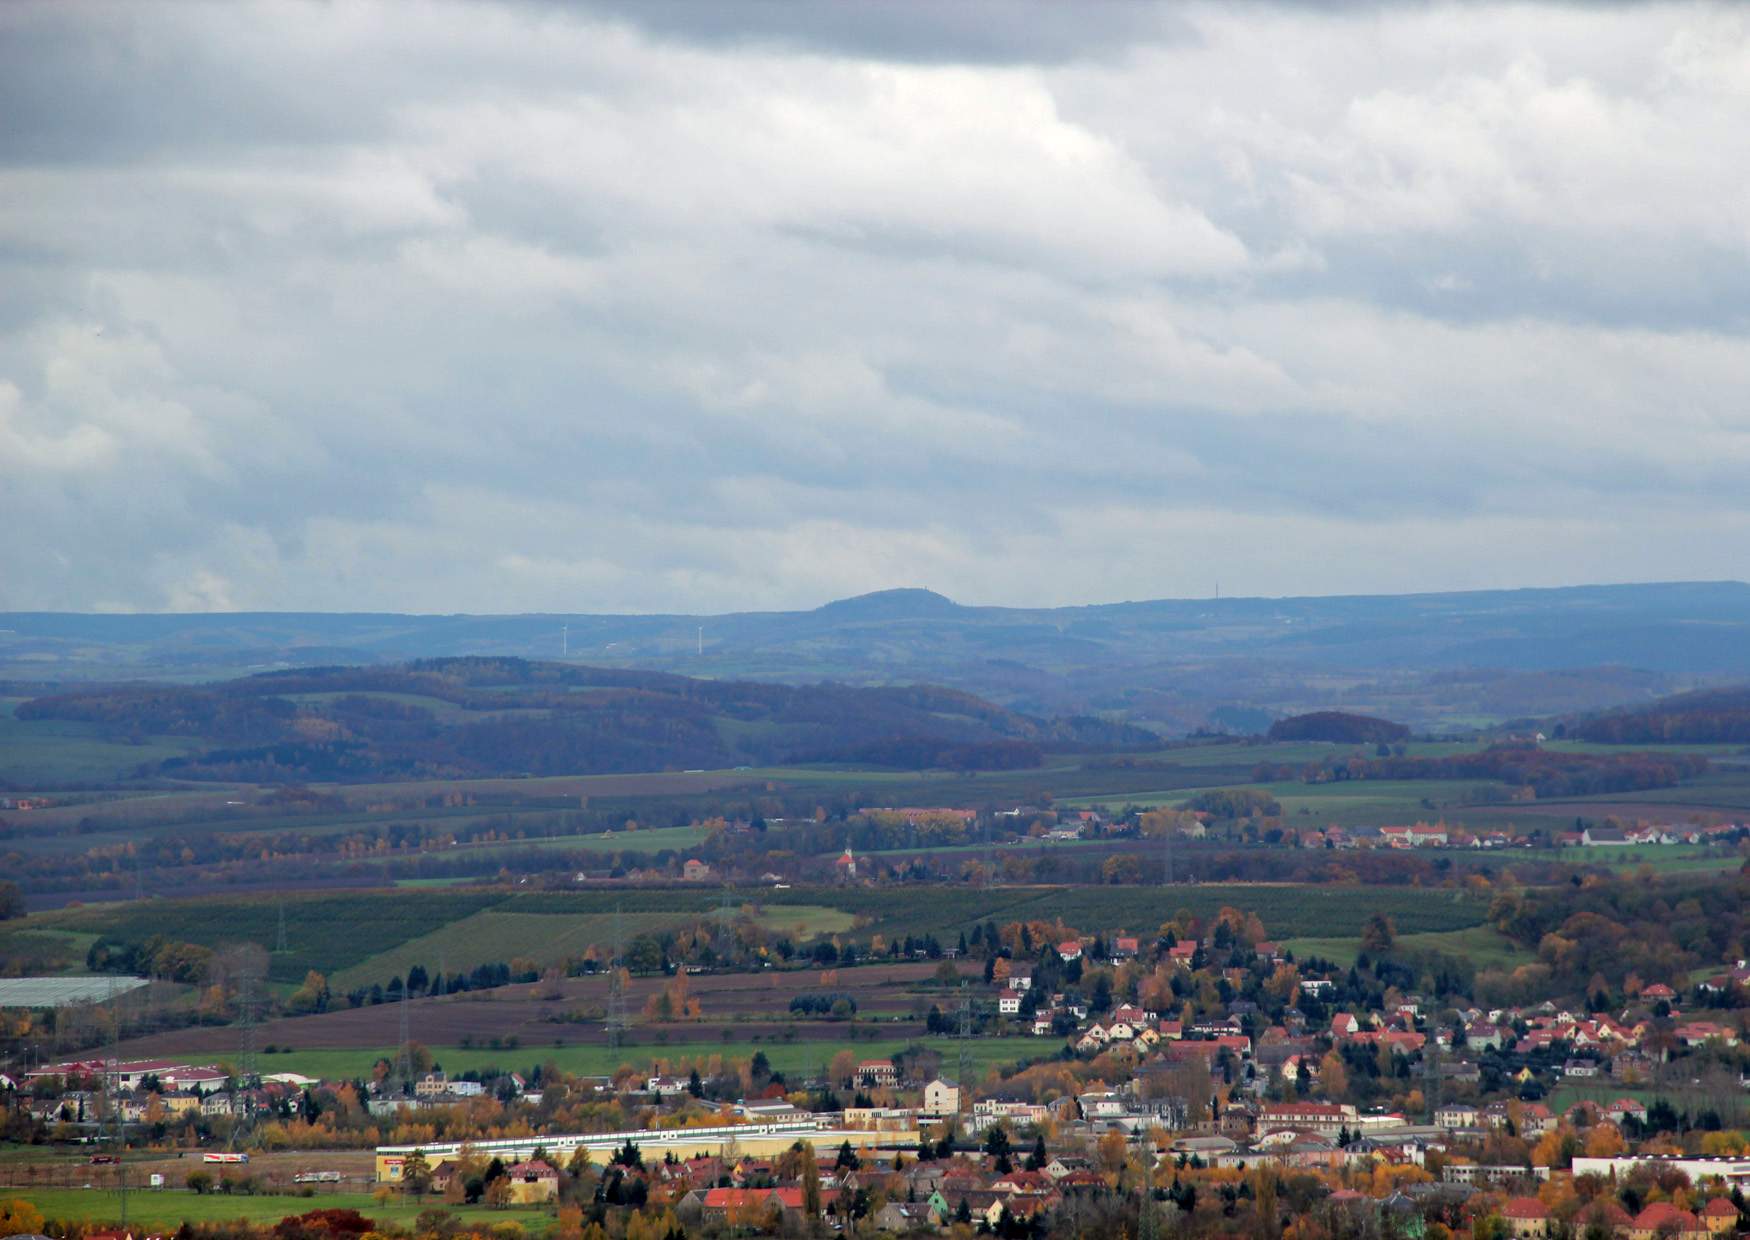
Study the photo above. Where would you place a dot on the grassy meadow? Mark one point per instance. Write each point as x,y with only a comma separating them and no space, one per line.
803,1056
359,937
1480,945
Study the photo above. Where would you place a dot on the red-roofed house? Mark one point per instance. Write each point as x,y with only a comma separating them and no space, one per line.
1526,1217
532,1182
1719,1216
747,1206
877,1074
1662,1219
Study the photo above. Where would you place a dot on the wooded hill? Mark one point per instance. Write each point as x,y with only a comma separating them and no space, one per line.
1433,661
479,717
1709,716
1334,725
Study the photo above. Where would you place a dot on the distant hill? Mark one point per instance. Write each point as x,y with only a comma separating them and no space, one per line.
1429,660
1334,725
1709,716
889,605
474,717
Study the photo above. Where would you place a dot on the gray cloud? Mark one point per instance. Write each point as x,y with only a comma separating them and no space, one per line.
974,31
521,306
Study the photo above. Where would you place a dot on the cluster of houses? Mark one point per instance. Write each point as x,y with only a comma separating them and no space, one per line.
1440,835
75,1091
918,1194
1597,1038
1648,833
1016,1159
87,1093
1528,1218
1640,1038
1025,1178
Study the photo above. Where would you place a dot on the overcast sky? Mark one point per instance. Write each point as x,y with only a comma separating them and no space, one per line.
710,307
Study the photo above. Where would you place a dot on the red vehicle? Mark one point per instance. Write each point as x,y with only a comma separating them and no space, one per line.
104,1160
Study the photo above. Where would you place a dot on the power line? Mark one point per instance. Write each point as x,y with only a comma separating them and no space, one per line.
616,1017
113,1082
965,1037
725,919
112,1074
404,1055
243,1112
1431,1069
1148,1223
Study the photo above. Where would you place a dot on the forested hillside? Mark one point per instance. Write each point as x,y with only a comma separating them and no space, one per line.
1333,725
474,717
1712,716
1433,661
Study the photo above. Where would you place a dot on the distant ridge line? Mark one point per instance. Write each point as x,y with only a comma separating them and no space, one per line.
908,595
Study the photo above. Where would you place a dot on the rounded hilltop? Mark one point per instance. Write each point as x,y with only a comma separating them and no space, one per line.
910,603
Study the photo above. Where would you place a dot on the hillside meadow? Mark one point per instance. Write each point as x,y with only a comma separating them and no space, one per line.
802,1056
359,937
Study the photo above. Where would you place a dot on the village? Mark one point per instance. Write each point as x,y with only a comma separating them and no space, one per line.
1176,1069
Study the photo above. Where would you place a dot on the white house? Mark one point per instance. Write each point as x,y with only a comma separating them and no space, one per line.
941,1097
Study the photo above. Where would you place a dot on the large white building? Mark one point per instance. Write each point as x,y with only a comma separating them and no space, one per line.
1733,1170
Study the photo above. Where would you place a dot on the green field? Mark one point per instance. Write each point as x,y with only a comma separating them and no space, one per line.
1675,859
167,1210
359,937
798,1057
44,949
328,933
649,840
60,753
805,921
1480,945
1286,910
1733,1107
493,935
1350,803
